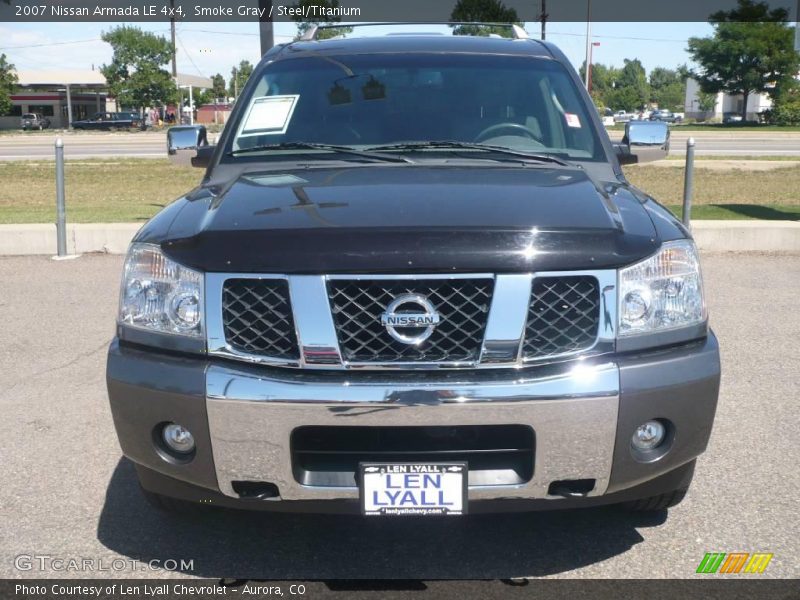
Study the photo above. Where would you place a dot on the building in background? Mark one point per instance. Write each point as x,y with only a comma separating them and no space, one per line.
213,114
51,93
725,103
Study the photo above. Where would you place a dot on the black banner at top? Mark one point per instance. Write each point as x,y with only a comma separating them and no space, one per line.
359,11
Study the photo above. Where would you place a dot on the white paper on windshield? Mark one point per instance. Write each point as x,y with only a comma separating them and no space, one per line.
269,115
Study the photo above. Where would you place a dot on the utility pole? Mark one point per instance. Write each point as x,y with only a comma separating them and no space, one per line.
174,47
174,63
589,68
588,42
543,19
265,25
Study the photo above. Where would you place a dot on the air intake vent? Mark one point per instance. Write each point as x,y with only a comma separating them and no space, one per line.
563,316
257,317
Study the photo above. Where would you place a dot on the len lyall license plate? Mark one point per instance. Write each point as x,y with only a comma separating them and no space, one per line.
414,488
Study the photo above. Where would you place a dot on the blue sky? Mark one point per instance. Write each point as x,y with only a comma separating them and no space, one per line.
208,48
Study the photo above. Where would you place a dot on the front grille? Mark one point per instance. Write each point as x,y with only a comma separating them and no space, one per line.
257,317
563,316
495,454
463,306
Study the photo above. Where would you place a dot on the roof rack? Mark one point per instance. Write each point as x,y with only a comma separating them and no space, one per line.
312,32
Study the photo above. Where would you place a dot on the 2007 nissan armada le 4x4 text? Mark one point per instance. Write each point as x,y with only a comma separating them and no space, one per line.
414,280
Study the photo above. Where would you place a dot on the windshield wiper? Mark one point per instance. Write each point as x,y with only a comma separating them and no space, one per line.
447,144
328,147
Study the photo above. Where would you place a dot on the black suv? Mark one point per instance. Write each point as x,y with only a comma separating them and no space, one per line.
414,280
110,121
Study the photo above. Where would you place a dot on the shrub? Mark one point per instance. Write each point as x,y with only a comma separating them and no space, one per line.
785,113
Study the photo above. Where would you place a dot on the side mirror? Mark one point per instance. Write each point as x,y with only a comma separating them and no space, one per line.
644,141
188,143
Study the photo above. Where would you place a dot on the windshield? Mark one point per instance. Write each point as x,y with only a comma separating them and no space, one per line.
28,116
524,104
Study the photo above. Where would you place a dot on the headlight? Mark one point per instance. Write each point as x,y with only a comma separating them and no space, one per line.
160,295
662,292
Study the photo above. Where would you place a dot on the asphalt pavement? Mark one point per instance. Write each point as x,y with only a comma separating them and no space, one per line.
65,490
82,145
152,144
732,143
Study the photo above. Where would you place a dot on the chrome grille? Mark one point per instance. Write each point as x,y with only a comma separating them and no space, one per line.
257,317
463,306
563,316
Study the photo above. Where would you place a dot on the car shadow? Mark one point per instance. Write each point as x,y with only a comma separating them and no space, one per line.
265,545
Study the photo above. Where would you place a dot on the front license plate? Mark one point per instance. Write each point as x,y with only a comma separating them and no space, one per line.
414,488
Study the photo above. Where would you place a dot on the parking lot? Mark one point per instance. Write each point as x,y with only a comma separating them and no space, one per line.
65,490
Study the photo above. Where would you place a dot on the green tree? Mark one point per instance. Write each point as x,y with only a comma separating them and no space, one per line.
661,77
239,76
706,102
201,97
218,89
667,88
136,75
483,11
8,83
750,52
320,6
603,81
633,76
623,98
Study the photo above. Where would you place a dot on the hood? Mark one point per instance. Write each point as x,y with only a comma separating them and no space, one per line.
399,218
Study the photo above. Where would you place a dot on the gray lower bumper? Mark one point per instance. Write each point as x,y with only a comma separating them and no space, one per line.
583,414
572,412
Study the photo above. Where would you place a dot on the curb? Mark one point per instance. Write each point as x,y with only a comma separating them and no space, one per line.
113,238
747,236
40,238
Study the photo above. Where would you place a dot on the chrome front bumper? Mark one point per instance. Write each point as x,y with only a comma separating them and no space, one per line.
572,409
583,414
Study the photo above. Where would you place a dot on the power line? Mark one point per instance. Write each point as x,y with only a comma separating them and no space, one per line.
221,32
237,33
620,37
50,44
189,56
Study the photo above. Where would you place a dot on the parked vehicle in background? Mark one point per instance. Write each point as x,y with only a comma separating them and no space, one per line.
109,121
34,121
731,117
622,117
667,116
135,117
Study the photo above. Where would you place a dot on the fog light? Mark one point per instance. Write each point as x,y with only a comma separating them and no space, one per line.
648,435
177,438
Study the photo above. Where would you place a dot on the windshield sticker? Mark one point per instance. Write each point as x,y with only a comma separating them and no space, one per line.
269,115
572,120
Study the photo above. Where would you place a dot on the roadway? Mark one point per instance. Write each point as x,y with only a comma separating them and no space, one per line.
736,143
40,146
65,490
152,144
